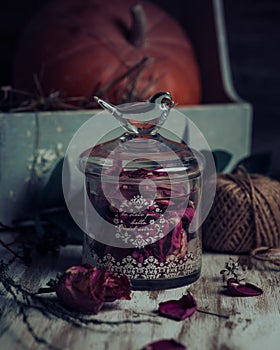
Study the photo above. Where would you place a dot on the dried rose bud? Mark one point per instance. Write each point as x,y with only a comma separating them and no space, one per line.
85,288
235,288
165,344
179,309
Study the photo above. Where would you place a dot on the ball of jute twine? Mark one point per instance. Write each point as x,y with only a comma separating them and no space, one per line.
245,214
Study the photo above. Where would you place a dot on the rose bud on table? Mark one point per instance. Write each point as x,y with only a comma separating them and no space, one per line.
85,288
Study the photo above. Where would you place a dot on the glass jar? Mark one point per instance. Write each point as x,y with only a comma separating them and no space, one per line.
142,193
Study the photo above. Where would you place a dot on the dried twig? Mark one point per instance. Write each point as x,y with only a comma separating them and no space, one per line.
48,308
39,100
232,270
117,80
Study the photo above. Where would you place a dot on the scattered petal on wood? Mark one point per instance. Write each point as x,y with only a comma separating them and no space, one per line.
178,309
235,288
165,344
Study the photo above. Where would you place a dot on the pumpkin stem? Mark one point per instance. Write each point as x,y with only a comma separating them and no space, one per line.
139,26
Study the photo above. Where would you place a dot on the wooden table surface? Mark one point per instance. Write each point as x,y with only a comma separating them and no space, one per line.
253,323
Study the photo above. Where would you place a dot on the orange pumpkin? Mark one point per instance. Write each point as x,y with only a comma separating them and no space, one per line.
110,48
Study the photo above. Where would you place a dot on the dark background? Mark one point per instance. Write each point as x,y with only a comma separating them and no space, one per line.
253,34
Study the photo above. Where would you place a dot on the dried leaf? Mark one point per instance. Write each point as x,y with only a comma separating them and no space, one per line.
222,159
235,288
259,163
178,309
165,344
52,194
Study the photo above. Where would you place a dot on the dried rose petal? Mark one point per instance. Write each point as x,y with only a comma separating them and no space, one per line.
165,344
171,243
85,288
174,227
242,289
178,309
188,215
117,287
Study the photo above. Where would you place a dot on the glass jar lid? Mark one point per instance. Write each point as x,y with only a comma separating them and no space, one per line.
144,145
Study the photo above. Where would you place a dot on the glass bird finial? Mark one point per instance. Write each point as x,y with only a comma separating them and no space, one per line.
141,117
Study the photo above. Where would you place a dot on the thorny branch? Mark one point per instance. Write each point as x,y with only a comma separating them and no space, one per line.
29,242
26,300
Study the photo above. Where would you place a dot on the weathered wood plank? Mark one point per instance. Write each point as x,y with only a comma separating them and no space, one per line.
253,322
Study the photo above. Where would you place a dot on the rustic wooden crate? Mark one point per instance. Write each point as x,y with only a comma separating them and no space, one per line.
223,118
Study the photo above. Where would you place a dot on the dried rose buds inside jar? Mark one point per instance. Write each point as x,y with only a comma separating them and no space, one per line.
145,189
